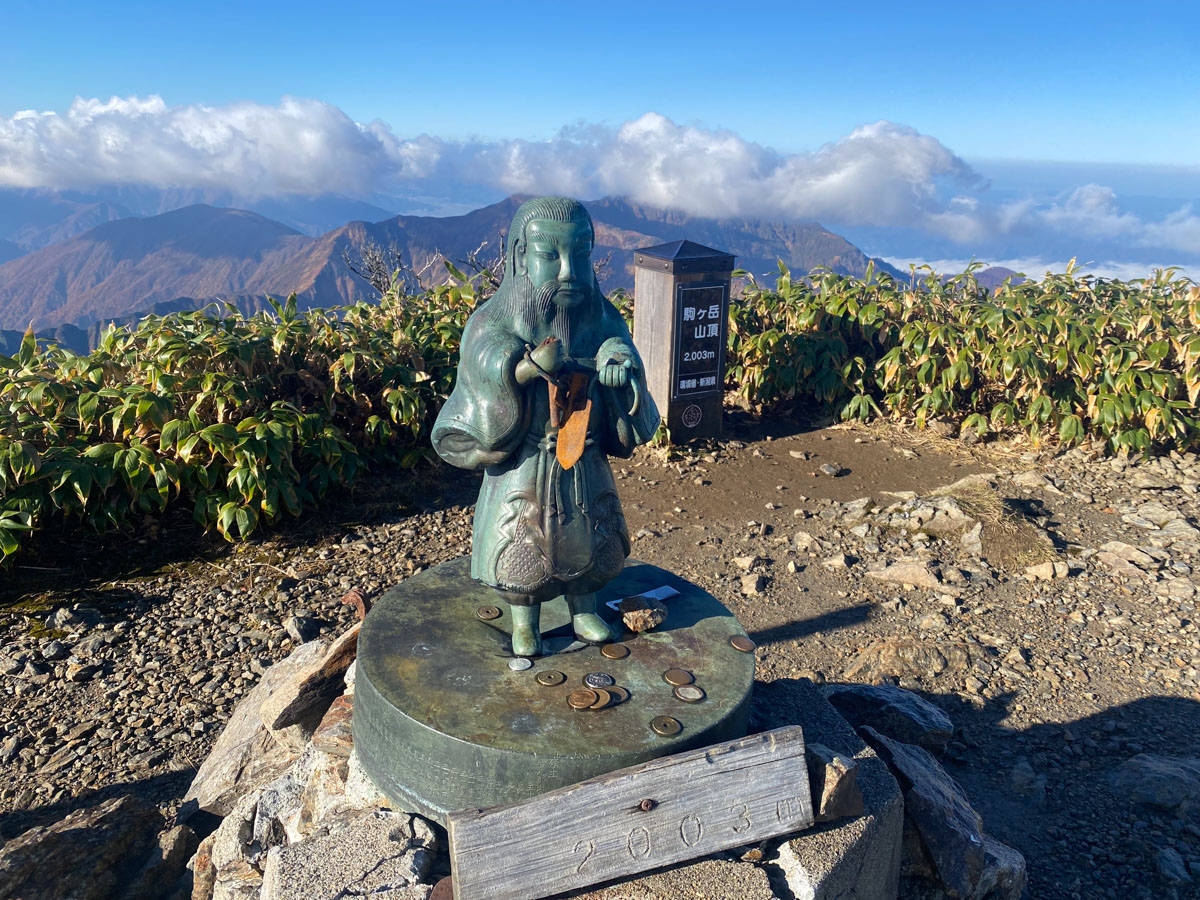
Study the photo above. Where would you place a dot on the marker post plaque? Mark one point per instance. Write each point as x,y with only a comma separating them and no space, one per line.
680,327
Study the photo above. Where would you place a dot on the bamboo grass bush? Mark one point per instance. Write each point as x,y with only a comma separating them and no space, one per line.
250,418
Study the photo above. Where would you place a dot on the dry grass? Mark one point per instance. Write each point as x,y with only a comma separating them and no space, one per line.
979,499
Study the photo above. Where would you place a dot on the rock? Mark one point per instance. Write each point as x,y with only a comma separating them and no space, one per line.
798,454
148,759
972,540
362,853
204,873
36,673
237,881
833,470
246,756
1172,867
1169,783
333,734
1180,532
231,842
641,613
1025,782
856,511
324,795
746,563
1004,873
305,696
292,806
806,543
911,572
361,792
895,712
89,855
837,561
9,748
1126,560
165,864
1157,514
934,621
53,651
1131,554
908,658
753,584
950,830
1047,571
302,629
277,811
1034,481
710,878
1119,566
79,672
833,780
1147,482
65,619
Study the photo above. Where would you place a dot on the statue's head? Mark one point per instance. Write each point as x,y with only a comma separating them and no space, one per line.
550,245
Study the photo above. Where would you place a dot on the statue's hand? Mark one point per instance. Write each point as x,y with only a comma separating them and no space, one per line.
549,355
616,374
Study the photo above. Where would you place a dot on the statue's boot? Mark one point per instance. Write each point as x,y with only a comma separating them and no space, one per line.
587,624
526,633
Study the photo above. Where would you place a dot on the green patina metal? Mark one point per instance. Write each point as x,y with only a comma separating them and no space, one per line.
441,722
549,385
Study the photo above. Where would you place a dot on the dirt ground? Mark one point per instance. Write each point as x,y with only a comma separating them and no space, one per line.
1080,697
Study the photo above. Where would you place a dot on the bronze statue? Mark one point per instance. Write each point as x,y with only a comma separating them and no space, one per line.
549,385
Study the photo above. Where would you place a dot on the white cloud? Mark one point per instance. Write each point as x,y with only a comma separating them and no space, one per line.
1036,268
880,175
299,146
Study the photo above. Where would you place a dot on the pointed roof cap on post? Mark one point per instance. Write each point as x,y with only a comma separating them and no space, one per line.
683,256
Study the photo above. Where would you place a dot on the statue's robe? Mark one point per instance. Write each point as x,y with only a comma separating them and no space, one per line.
540,530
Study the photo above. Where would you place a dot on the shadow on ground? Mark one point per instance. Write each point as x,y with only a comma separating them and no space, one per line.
151,789
1084,838
70,565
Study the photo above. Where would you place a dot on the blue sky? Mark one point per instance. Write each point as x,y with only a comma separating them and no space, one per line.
984,129
1099,81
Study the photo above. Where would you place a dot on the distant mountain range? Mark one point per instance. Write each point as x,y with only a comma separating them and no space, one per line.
35,218
186,257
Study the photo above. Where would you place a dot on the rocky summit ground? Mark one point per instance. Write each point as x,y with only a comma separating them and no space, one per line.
1045,602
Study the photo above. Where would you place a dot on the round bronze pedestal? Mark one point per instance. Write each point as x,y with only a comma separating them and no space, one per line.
443,722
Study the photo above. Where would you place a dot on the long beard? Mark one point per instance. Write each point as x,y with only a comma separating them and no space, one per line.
536,313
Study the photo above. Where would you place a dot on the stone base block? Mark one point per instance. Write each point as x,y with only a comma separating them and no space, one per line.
855,858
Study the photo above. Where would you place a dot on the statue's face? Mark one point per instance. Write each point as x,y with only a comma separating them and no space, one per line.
558,257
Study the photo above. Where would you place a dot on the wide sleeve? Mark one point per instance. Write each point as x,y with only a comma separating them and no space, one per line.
483,420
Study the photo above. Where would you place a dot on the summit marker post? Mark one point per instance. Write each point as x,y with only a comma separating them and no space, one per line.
680,328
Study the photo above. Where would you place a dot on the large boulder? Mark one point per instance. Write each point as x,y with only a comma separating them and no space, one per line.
165,864
359,853
304,697
909,658
246,755
895,712
92,854
1168,783
950,830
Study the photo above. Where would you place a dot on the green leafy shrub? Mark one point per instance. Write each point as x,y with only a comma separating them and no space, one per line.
1069,356
245,418
248,418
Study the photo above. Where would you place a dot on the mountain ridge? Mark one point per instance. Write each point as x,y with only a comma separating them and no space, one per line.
126,265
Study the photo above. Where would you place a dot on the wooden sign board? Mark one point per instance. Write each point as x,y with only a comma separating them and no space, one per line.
658,813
